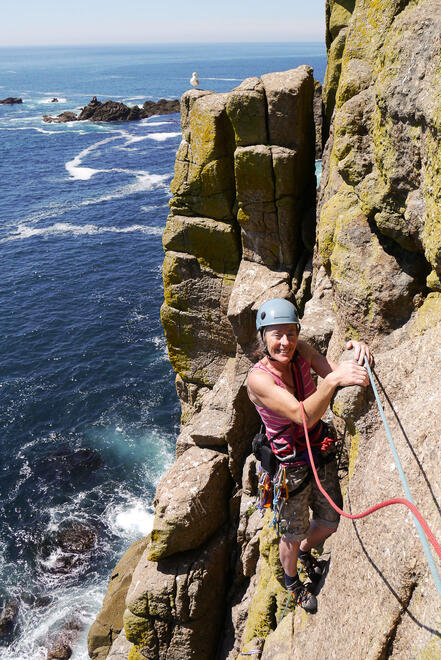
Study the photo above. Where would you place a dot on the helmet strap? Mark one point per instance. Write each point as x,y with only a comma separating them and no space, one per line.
265,350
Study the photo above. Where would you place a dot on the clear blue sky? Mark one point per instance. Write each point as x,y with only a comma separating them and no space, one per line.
55,22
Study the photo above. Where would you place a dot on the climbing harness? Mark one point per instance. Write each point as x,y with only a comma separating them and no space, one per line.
381,505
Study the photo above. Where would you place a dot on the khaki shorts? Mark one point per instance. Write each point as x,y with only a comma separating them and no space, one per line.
294,512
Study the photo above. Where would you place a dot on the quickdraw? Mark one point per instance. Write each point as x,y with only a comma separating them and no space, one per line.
265,490
280,495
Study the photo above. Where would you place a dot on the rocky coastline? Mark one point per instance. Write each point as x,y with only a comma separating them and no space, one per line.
362,259
116,111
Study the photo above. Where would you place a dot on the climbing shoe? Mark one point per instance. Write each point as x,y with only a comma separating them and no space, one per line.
300,593
311,567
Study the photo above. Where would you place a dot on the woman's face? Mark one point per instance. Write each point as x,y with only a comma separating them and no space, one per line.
281,341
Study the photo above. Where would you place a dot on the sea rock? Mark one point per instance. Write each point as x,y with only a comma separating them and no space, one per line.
116,111
59,651
108,111
61,647
107,627
8,620
190,502
69,548
61,119
11,100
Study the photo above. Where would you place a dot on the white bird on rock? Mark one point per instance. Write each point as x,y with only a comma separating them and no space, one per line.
194,80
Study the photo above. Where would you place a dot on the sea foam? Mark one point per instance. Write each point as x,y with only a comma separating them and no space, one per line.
74,166
63,228
160,137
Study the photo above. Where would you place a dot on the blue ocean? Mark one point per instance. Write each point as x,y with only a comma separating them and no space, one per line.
89,414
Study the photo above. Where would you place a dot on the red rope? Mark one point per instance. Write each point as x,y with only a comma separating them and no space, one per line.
381,505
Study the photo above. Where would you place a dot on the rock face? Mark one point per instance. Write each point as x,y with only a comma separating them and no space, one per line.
242,230
107,627
116,111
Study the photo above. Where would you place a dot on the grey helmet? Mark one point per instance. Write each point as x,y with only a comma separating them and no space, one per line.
275,312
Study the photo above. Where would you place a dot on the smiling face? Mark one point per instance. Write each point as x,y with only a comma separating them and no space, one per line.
281,341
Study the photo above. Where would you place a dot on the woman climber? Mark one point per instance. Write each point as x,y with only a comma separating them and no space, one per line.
276,384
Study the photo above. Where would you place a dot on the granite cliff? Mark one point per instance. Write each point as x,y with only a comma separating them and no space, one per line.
243,229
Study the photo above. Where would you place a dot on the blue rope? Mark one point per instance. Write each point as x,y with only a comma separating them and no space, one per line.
425,544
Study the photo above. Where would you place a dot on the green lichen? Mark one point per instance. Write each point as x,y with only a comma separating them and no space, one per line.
355,441
351,333
215,244
428,315
270,597
434,281
334,210
139,630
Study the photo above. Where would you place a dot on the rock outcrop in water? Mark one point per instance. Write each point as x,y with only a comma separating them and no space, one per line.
11,100
242,230
116,111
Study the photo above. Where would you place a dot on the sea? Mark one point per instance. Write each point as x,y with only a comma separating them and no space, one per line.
88,410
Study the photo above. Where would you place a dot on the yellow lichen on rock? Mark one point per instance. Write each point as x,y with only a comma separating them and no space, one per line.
270,597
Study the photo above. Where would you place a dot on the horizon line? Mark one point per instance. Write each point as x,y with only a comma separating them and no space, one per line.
161,43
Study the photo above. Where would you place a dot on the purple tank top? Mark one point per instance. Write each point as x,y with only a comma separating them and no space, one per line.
288,444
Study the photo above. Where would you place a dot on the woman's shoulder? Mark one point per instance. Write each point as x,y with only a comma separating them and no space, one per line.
259,373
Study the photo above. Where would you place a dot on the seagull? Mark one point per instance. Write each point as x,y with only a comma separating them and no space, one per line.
194,80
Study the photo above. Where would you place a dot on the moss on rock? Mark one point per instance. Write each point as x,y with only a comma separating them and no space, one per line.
270,597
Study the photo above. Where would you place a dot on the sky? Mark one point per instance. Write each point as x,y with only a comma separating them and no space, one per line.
54,22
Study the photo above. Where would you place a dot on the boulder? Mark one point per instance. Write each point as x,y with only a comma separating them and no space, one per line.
203,184
280,644
318,320
289,97
61,646
254,284
190,502
11,100
175,607
246,109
